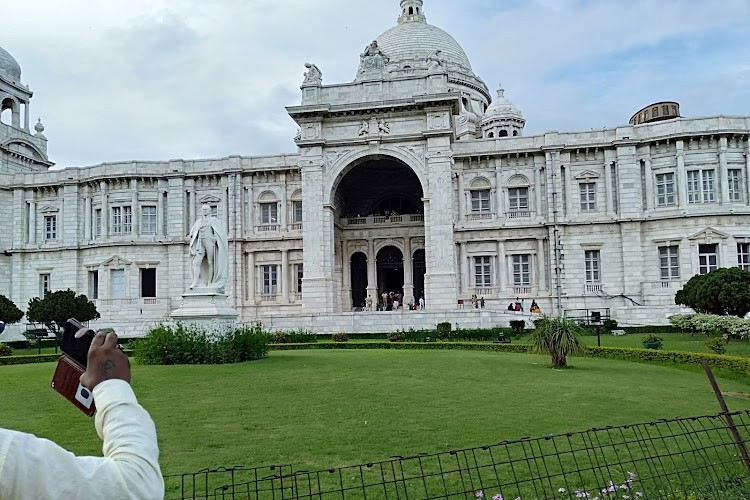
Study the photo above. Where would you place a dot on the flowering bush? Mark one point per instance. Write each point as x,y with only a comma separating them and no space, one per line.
340,337
5,350
712,324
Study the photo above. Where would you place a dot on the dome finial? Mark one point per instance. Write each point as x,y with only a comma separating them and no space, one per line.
411,12
500,91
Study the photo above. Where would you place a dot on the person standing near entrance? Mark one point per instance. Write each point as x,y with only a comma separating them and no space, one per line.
421,302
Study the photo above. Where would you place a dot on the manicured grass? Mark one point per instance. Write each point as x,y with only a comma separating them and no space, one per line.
316,409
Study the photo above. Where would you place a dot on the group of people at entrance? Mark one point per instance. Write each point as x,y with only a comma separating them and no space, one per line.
518,306
393,301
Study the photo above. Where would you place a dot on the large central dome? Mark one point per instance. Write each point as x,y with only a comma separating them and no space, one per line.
415,40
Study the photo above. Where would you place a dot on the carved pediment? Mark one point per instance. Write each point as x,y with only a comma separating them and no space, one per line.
209,200
116,261
587,175
49,209
709,235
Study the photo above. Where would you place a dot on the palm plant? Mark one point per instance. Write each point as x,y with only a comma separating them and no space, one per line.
558,337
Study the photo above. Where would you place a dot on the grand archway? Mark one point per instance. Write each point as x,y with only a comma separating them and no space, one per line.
378,214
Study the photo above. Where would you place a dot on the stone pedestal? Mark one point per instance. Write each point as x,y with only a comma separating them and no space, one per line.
206,309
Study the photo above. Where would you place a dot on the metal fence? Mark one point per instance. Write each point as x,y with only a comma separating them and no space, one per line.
684,458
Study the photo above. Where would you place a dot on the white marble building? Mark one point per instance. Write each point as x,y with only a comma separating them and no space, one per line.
411,177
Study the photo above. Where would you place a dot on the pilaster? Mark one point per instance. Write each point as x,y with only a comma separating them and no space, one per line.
722,176
681,175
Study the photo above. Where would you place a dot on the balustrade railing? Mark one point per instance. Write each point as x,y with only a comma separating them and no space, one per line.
383,219
519,214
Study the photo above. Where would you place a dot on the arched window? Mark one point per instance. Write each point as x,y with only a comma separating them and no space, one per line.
518,196
269,210
515,133
491,135
7,109
411,11
297,207
481,205
503,133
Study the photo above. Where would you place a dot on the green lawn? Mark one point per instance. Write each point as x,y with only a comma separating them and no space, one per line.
325,408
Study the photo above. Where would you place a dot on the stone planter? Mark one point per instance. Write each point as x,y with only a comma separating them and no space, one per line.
651,345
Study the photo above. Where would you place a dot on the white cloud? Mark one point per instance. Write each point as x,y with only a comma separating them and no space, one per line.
160,79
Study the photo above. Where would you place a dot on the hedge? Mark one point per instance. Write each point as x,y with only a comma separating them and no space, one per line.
28,359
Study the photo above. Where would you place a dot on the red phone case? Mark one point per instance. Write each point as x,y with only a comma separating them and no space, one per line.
66,381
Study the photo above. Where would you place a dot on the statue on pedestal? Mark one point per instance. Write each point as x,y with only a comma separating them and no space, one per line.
209,252
313,76
372,59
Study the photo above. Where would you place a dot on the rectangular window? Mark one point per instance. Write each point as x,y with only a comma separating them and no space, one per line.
655,112
707,258
270,279
592,259
269,214
588,196
522,270
50,227
482,271
480,201
297,212
94,285
734,178
127,219
665,193
518,198
45,284
117,283
665,110
299,274
669,263
116,220
700,188
148,219
214,211
743,256
97,222
148,282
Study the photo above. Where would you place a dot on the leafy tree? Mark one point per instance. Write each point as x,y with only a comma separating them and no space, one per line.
55,308
725,291
558,337
9,313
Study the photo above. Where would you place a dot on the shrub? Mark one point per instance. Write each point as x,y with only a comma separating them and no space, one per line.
301,337
397,337
340,337
653,340
180,344
57,307
712,324
443,330
280,338
9,312
518,325
717,345
5,350
558,337
724,291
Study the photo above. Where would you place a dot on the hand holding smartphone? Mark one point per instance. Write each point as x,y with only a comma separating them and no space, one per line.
75,343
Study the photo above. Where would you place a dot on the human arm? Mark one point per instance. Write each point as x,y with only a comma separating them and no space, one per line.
35,468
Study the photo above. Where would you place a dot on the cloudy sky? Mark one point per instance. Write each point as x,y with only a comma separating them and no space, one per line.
162,79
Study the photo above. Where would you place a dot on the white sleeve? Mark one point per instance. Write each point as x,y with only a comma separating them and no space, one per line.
35,468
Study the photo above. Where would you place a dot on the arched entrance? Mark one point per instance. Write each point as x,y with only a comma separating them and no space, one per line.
390,267
359,279
419,267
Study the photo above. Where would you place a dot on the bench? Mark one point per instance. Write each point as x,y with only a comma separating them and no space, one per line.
618,333
501,339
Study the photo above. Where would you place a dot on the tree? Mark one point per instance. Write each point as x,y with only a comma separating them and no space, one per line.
558,337
725,291
55,308
9,313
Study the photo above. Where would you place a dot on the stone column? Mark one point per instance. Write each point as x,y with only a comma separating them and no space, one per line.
250,269
465,268
159,213
609,189
87,217
372,272
408,278
500,271
537,193
284,288
317,233
440,279
541,268
136,226
283,205
568,187
32,222
346,276
461,198
650,193
681,179
747,171
722,174
500,190
26,117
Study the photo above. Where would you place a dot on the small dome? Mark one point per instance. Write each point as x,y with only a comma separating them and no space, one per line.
9,68
501,109
415,40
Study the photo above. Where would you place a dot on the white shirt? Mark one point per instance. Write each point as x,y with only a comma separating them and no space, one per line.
35,468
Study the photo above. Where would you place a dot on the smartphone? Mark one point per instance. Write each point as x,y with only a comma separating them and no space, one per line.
72,364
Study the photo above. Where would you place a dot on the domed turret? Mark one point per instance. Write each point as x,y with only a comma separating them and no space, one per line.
502,118
9,67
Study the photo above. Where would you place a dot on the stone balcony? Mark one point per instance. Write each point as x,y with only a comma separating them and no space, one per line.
382,220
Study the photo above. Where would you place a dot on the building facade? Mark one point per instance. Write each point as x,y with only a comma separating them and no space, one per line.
410,178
